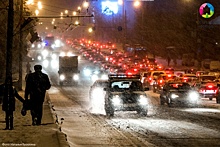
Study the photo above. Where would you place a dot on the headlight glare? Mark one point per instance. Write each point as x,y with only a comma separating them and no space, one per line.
94,78
173,96
76,77
193,96
104,77
116,100
62,77
143,100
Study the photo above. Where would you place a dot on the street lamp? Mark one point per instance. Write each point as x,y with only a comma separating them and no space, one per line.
123,3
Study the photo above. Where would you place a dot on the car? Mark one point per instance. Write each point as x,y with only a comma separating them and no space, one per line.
189,78
206,77
207,89
97,94
151,77
125,93
98,74
199,73
161,80
176,92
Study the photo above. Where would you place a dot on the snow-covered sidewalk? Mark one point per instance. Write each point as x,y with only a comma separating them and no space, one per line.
24,134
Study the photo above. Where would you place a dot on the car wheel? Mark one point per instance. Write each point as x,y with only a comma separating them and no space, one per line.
154,90
109,111
218,100
142,112
61,83
210,98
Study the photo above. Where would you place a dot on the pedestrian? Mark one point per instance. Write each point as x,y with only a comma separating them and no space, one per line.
9,94
36,85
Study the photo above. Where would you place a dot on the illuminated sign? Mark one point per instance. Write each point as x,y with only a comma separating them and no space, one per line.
109,8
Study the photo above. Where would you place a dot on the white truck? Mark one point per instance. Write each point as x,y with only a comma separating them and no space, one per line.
68,70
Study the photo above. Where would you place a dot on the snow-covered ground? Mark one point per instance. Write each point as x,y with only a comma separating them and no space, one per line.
163,126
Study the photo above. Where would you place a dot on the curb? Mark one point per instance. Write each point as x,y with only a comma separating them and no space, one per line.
62,137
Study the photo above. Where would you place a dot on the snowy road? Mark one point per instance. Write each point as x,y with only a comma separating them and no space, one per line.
163,126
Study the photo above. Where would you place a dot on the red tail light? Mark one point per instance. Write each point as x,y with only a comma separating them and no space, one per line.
202,90
210,86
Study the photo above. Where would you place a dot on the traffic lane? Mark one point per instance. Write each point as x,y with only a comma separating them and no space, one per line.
81,127
206,107
173,125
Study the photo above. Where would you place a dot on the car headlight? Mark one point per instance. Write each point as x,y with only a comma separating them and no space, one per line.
104,77
116,100
143,100
54,63
54,56
87,72
62,77
97,93
39,58
45,53
45,63
193,96
76,77
96,72
173,96
94,77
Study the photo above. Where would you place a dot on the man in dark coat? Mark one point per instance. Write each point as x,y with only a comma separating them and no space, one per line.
36,85
9,94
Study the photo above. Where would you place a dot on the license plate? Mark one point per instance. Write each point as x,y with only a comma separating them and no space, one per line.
209,91
129,105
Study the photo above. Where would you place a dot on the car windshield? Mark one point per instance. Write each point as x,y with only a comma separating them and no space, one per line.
204,78
157,73
126,85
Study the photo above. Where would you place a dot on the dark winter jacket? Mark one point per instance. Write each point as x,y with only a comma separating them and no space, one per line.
9,99
36,85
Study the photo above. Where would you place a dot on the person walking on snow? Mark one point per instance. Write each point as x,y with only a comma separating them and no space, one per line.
36,85
9,94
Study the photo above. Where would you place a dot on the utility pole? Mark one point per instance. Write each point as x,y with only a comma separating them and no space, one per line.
20,47
9,41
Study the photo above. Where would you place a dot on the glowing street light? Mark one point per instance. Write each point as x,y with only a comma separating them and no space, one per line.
39,5
137,3
86,4
66,11
90,30
37,12
79,9
74,13
30,2
76,23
